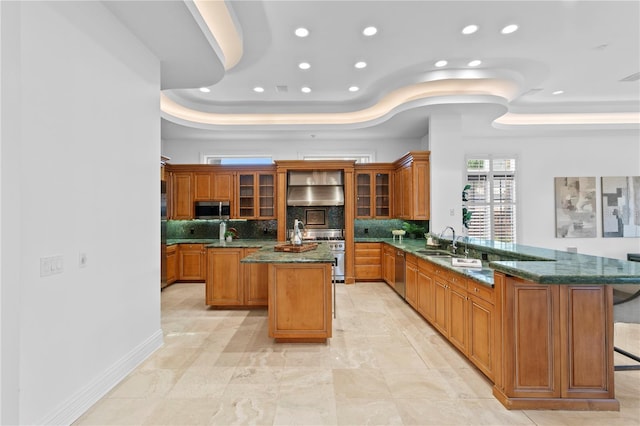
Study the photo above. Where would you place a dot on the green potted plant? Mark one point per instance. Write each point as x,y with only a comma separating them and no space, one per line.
228,236
466,213
412,229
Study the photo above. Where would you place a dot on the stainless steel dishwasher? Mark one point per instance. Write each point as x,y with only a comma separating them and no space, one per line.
400,285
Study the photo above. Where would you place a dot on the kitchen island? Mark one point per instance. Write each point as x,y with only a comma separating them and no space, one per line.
551,316
299,292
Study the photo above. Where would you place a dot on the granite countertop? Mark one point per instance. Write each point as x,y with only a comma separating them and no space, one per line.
322,254
540,265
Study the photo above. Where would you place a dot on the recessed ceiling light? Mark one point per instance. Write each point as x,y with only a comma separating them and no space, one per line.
205,89
475,63
304,65
470,29
369,31
441,63
306,89
512,28
258,89
360,64
301,32
558,92
354,88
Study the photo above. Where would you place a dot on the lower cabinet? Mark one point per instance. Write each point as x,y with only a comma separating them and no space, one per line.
411,280
191,262
368,264
256,281
389,264
461,309
231,283
172,263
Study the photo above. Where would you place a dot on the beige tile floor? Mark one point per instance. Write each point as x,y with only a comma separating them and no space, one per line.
384,366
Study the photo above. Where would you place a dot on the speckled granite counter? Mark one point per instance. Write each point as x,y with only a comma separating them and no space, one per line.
267,254
540,265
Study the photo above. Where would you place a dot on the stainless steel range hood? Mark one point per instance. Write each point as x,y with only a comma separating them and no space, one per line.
315,188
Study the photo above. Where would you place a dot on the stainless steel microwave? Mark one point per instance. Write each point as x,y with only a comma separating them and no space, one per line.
212,210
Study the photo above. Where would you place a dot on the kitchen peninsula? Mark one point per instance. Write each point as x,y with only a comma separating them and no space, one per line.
537,322
299,292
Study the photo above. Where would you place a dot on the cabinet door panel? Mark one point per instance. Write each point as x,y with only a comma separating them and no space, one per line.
480,345
224,277
257,282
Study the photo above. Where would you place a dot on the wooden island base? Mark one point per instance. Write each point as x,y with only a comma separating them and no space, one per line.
300,302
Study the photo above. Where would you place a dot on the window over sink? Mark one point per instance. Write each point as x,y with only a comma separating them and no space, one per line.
492,197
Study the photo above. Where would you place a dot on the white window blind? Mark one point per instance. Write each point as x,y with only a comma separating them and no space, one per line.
492,198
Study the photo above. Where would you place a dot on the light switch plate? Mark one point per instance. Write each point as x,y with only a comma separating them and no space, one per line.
51,265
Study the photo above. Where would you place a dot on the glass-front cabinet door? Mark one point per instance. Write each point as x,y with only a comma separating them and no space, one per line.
256,195
363,195
373,194
266,196
383,195
246,195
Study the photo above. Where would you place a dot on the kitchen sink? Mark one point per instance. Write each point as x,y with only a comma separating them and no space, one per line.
434,253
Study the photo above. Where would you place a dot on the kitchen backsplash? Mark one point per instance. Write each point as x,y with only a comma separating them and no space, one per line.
381,228
208,229
268,229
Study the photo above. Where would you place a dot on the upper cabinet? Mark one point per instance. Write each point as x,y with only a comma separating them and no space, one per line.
256,195
412,198
250,190
373,191
213,186
180,196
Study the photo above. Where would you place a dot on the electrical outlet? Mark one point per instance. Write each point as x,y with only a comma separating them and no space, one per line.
51,265
452,212
366,230
82,260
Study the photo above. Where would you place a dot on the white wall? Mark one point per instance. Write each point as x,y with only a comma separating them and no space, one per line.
191,151
541,158
82,141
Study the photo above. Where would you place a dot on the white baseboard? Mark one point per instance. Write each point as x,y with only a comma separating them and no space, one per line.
70,410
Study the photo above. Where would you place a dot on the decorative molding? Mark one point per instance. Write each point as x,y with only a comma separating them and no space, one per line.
71,409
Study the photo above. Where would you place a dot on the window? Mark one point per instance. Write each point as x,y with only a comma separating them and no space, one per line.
492,198
235,159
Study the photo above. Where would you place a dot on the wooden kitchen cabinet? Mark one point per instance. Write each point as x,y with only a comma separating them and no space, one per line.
225,286
412,186
389,264
191,262
481,325
231,283
181,196
425,290
213,186
256,195
411,280
172,263
368,266
256,277
373,190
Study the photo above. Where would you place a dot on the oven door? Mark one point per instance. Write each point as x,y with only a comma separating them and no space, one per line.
338,266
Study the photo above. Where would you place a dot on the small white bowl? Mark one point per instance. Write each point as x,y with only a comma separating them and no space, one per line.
398,232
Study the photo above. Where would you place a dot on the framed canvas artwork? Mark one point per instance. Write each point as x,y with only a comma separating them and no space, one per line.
575,207
621,206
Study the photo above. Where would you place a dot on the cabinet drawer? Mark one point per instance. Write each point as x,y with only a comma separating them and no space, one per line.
172,249
426,267
368,260
373,246
456,279
367,252
368,272
191,246
481,291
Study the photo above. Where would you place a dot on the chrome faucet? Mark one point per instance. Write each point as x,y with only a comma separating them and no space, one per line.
466,248
453,239
297,234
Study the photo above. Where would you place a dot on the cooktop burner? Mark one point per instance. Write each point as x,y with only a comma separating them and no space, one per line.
321,234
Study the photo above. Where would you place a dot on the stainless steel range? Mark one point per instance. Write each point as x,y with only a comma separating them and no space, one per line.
335,239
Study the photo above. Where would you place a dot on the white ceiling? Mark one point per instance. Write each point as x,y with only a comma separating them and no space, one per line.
584,48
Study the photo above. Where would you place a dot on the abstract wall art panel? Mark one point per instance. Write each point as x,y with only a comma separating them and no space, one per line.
621,206
575,207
